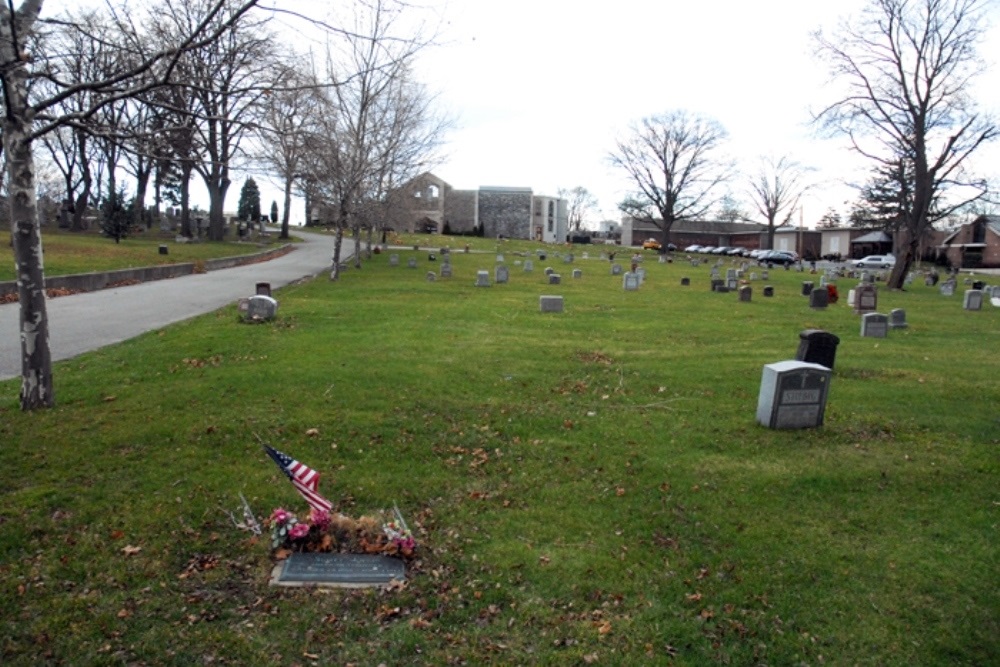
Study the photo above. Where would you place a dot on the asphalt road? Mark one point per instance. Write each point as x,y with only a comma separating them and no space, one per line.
83,322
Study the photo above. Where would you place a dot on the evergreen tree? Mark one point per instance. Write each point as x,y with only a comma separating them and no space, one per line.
116,215
274,212
249,206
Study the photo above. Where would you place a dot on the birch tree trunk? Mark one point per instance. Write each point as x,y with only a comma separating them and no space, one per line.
36,357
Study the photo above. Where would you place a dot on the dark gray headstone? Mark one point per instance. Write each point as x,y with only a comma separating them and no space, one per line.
431,276
482,278
263,289
344,570
897,319
819,298
818,347
874,325
685,281
807,288
164,250
717,284
746,292
578,273
554,279
768,290
793,395
550,303
446,270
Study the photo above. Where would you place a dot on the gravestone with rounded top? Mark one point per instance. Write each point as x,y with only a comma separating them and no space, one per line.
897,319
865,298
973,299
818,347
260,308
501,274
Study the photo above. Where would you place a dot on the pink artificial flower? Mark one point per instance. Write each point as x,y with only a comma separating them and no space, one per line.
280,516
319,518
298,531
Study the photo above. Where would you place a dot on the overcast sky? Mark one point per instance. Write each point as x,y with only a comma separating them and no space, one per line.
543,87
540,89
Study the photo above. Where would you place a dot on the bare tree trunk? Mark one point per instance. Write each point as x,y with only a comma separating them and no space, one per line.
338,242
356,235
216,200
186,201
36,357
370,235
287,210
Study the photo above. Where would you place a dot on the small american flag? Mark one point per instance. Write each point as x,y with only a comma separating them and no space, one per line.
304,478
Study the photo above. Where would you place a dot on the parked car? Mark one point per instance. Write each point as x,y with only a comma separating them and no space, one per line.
777,257
875,262
693,248
737,252
651,244
707,249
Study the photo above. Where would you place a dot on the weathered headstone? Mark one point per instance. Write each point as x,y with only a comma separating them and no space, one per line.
865,298
641,272
577,273
851,295
764,275
746,292
499,259
768,290
431,276
819,298
732,279
616,269
753,276
393,260
973,299
568,259
529,266
685,281
874,325
818,347
550,304
446,270
501,274
897,319
263,289
338,570
793,394
554,279
412,262
630,282
807,287
260,308
947,288
482,279
717,283
164,250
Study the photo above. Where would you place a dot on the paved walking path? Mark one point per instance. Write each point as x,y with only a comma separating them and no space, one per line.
83,322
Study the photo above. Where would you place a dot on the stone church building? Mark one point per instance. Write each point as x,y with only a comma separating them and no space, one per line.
429,204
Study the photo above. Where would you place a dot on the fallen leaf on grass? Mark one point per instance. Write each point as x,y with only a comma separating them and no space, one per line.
603,627
313,432
130,550
590,658
117,534
109,399
544,560
620,491
693,597
124,613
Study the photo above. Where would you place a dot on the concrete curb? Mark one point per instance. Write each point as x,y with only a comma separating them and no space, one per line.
90,282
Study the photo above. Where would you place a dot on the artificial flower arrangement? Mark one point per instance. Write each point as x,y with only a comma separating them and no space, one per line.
326,532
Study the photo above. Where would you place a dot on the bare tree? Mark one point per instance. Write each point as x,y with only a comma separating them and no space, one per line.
288,121
775,188
673,160
579,204
366,133
29,114
908,66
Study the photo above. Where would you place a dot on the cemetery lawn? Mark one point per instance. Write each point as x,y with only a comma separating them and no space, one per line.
68,253
588,487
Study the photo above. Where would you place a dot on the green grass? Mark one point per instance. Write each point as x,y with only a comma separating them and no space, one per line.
588,486
68,253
